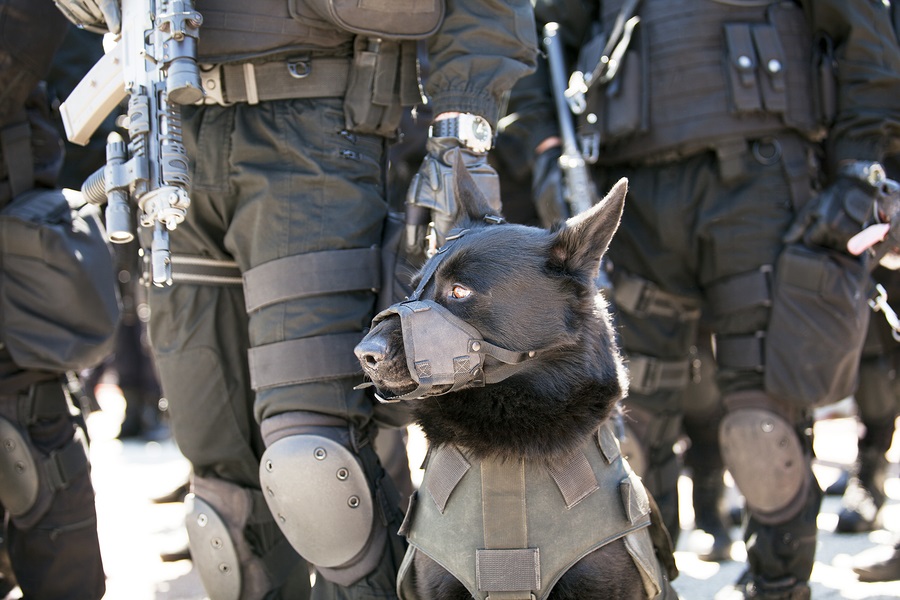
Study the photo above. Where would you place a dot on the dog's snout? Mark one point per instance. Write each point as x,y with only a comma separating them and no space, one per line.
371,351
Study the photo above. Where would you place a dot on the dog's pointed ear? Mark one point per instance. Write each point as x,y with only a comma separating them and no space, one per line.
584,238
473,204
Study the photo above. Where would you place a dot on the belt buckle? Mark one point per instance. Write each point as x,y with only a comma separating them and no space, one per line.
211,80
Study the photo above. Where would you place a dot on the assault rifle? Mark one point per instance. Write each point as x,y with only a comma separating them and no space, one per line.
579,191
153,61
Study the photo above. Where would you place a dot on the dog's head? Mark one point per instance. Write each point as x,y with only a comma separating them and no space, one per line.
506,346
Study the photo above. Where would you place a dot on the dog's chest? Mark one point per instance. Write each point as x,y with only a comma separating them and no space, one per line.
515,526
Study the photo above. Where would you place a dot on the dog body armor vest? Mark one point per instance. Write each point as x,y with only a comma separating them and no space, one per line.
517,526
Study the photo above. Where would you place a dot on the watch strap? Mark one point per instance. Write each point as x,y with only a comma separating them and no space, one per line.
446,128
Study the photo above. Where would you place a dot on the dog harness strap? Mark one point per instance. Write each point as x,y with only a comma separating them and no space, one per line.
575,478
304,360
312,274
448,466
506,564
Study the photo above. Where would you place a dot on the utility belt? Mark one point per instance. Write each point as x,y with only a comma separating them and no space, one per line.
376,82
300,77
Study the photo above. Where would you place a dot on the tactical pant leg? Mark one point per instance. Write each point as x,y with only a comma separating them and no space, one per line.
52,520
203,373
289,225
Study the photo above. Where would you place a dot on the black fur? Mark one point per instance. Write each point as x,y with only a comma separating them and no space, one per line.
530,289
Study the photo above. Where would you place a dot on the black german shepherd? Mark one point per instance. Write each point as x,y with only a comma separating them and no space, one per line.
514,359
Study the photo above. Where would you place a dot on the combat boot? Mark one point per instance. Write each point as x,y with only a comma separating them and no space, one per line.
878,564
708,516
864,497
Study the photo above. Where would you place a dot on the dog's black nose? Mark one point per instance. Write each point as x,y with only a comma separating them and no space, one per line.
371,351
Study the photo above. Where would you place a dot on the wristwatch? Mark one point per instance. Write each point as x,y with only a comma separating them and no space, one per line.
472,130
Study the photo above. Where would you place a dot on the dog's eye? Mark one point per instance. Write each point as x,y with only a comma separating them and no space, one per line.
460,292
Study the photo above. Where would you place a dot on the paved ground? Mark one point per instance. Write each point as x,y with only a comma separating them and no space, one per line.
133,530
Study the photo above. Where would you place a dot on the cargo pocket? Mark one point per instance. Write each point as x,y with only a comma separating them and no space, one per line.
819,321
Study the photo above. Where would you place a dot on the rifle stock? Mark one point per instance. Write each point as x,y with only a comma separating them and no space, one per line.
154,63
95,96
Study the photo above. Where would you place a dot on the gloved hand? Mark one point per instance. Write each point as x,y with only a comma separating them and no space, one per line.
547,187
98,16
853,214
431,198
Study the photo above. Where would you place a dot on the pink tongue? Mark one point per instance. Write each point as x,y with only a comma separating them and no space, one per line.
867,238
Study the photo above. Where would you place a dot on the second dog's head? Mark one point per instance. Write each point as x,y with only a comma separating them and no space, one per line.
506,346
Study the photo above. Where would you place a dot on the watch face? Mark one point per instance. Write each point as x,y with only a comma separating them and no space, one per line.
481,130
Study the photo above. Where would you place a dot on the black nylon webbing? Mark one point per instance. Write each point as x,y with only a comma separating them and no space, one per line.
649,375
741,292
640,297
303,361
312,274
45,400
741,351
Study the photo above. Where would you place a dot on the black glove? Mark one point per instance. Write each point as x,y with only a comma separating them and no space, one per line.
98,16
843,209
547,187
431,198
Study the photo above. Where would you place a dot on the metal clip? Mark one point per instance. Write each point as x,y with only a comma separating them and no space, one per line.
880,304
211,79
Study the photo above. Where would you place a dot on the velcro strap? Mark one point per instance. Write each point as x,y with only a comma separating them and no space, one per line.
649,375
198,270
744,352
606,440
574,477
446,468
64,465
642,298
280,80
312,274
634,498
44,400
501,570
741,292
305,360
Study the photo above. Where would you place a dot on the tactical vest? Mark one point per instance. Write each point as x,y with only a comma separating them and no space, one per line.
705,75
517,526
